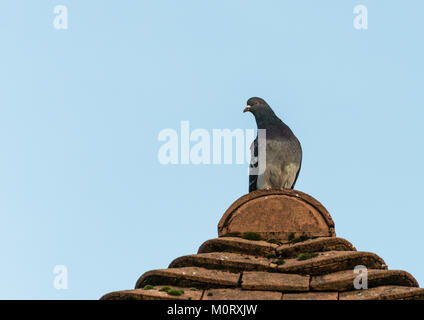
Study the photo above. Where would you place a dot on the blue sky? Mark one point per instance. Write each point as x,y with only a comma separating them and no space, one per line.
81,110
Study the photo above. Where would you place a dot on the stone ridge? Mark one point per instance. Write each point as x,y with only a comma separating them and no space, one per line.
266,249
300,258
323,263
288,192
214,275
277,214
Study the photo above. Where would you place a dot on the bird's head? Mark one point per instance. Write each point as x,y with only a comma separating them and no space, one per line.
257,106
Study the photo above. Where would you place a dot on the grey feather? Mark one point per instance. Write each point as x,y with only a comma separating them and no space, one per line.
283,150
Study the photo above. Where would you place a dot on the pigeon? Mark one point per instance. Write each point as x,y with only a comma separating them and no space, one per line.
283,151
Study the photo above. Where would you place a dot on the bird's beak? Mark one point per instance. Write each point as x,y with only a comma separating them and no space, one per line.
247,109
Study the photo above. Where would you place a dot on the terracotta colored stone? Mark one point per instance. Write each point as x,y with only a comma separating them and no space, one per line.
344,280
314,245
384,293
189,277
311,296
154,294
237,294
274,281
223,261
332,261
276,214
239,245
229,268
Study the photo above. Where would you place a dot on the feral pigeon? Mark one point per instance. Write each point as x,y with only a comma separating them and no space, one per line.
283,150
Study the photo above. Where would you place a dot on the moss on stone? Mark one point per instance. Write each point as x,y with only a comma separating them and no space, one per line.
251,236
148,287
175,292
299,239
306,256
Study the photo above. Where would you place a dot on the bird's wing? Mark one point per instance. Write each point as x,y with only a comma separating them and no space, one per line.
297,175
253,178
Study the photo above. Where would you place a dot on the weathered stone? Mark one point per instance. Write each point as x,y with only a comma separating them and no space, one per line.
189,277
274,281
223,261
344,280
239,245
314,245
384,293
311,296
277,214
232,268
237,294
154,294
332,261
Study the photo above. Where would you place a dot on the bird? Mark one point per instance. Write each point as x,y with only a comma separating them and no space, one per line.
283,152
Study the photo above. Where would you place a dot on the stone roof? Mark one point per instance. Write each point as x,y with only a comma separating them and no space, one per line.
274,245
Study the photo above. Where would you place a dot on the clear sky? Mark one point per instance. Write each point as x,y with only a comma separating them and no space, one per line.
81,110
